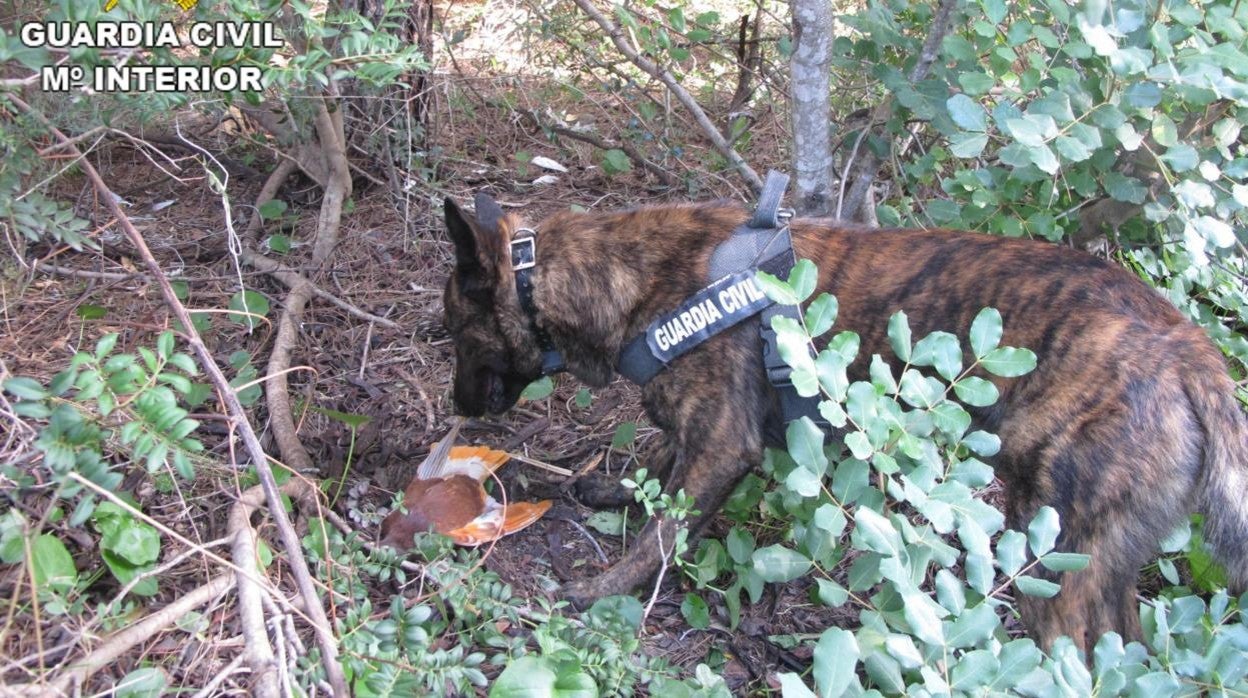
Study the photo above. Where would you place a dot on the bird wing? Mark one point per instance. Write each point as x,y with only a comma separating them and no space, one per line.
432,466
474,461
498,521
447,459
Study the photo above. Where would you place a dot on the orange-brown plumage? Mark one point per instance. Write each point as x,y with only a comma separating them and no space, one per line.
447,496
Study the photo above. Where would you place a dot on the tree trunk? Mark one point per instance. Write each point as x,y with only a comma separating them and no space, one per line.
812,148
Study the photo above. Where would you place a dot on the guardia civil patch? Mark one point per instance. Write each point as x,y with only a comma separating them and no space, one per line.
727,302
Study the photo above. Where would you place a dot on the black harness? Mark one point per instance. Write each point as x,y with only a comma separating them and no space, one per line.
761,244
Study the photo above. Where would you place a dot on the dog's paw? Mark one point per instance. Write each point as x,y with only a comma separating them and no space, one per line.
600,491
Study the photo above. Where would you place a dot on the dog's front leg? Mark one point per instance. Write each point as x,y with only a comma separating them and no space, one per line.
708,476
712,410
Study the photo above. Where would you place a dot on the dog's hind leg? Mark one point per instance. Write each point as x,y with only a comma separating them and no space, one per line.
1120,474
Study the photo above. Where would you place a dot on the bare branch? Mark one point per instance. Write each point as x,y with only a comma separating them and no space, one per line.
864,173
682,95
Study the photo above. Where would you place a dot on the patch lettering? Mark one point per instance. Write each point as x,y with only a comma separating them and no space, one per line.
710,311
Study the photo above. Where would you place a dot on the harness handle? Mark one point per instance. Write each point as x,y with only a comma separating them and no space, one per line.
767,213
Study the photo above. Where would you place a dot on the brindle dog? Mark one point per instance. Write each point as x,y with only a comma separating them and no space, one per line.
1128,423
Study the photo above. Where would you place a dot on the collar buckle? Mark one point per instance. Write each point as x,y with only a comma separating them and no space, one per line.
524,250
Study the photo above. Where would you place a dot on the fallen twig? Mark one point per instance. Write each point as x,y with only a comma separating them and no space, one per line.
294,279
121,642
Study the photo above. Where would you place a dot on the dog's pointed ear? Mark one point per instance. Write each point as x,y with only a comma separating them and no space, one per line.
479,245
462,235
489,213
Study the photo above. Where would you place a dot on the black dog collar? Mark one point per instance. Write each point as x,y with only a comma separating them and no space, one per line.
523,261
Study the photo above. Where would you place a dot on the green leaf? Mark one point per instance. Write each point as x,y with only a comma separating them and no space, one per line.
52,565
1157,683
615,161
803,279
805,444
279,243
859,445
899,335
695,611
677,18
1011,552
986,331
1042,531
777,290
539,389
919,390
132,540
941,351
583,398
968,145
976,391
611,523
146,682
1043,158
740,545
1033,586
1073,149
88,311
976,82
1009,362
923,616
967,113
791,686
1123,188
1164,131
974,625
973,669
1065,562
803,482
1032,130
994,10
830,593
543,677
105,345
794,346
248,302
835,660
25,388
273,208
821,314
32,410
1181,157
982,443
874,532
776,563
624,435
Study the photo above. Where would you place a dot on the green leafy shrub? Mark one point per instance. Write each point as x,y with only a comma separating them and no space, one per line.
1074,123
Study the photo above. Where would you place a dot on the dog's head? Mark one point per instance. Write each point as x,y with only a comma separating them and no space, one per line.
496,354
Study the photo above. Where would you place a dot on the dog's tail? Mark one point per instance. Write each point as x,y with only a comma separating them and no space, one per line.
1222,493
